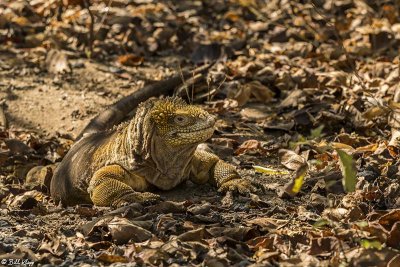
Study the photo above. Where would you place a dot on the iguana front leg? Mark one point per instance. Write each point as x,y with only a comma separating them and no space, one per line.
114,186
207,167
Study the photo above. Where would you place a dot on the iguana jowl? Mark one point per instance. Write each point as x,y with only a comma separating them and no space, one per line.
158,147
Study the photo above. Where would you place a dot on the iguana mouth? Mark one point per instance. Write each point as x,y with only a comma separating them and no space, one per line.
196,131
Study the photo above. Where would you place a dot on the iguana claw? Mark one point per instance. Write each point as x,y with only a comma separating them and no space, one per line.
241,186
144,198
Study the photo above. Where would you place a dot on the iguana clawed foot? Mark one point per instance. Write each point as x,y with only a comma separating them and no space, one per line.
136,197
239,185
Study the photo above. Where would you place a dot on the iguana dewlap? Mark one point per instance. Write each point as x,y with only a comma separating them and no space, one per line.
157,148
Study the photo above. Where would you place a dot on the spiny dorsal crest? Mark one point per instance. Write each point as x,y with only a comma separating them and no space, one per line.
165,107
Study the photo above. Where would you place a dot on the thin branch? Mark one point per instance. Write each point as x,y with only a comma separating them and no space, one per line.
91,27
103,18
184,84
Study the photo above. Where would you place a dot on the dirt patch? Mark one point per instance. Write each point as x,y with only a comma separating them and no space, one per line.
305,95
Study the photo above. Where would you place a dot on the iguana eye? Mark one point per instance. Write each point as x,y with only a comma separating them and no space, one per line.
181,120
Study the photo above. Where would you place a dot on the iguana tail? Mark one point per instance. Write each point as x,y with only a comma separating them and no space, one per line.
116,113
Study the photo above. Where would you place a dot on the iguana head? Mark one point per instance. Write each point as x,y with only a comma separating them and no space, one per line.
178,123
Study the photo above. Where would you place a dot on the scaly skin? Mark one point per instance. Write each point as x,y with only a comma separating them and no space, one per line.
158,148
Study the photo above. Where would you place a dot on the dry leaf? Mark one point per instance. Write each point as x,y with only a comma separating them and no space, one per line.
57,62
130,60
256,89
110,258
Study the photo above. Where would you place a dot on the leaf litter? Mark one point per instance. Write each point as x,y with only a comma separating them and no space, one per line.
306,95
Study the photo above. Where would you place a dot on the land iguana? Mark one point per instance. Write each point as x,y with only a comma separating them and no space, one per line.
156,149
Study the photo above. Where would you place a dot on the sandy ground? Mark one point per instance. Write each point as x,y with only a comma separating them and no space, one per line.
64,104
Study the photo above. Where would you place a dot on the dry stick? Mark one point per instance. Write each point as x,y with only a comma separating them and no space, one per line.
59,10
103,18
3,118
336,235
340,245
287,223
179,91
116,113
191,100
91,27
208,90
308,26
207,94
219,86
184,84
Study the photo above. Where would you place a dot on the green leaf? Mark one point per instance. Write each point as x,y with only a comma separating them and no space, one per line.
316,133
349,171
361,224
365,243
321,223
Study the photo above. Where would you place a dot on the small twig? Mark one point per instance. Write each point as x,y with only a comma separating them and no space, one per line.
341,248
286,223
208,89
91,27
207,95
184,84
59,10
219,86
103,18
191,100
3,118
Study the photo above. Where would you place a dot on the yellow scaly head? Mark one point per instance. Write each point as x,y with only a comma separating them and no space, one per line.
181,124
